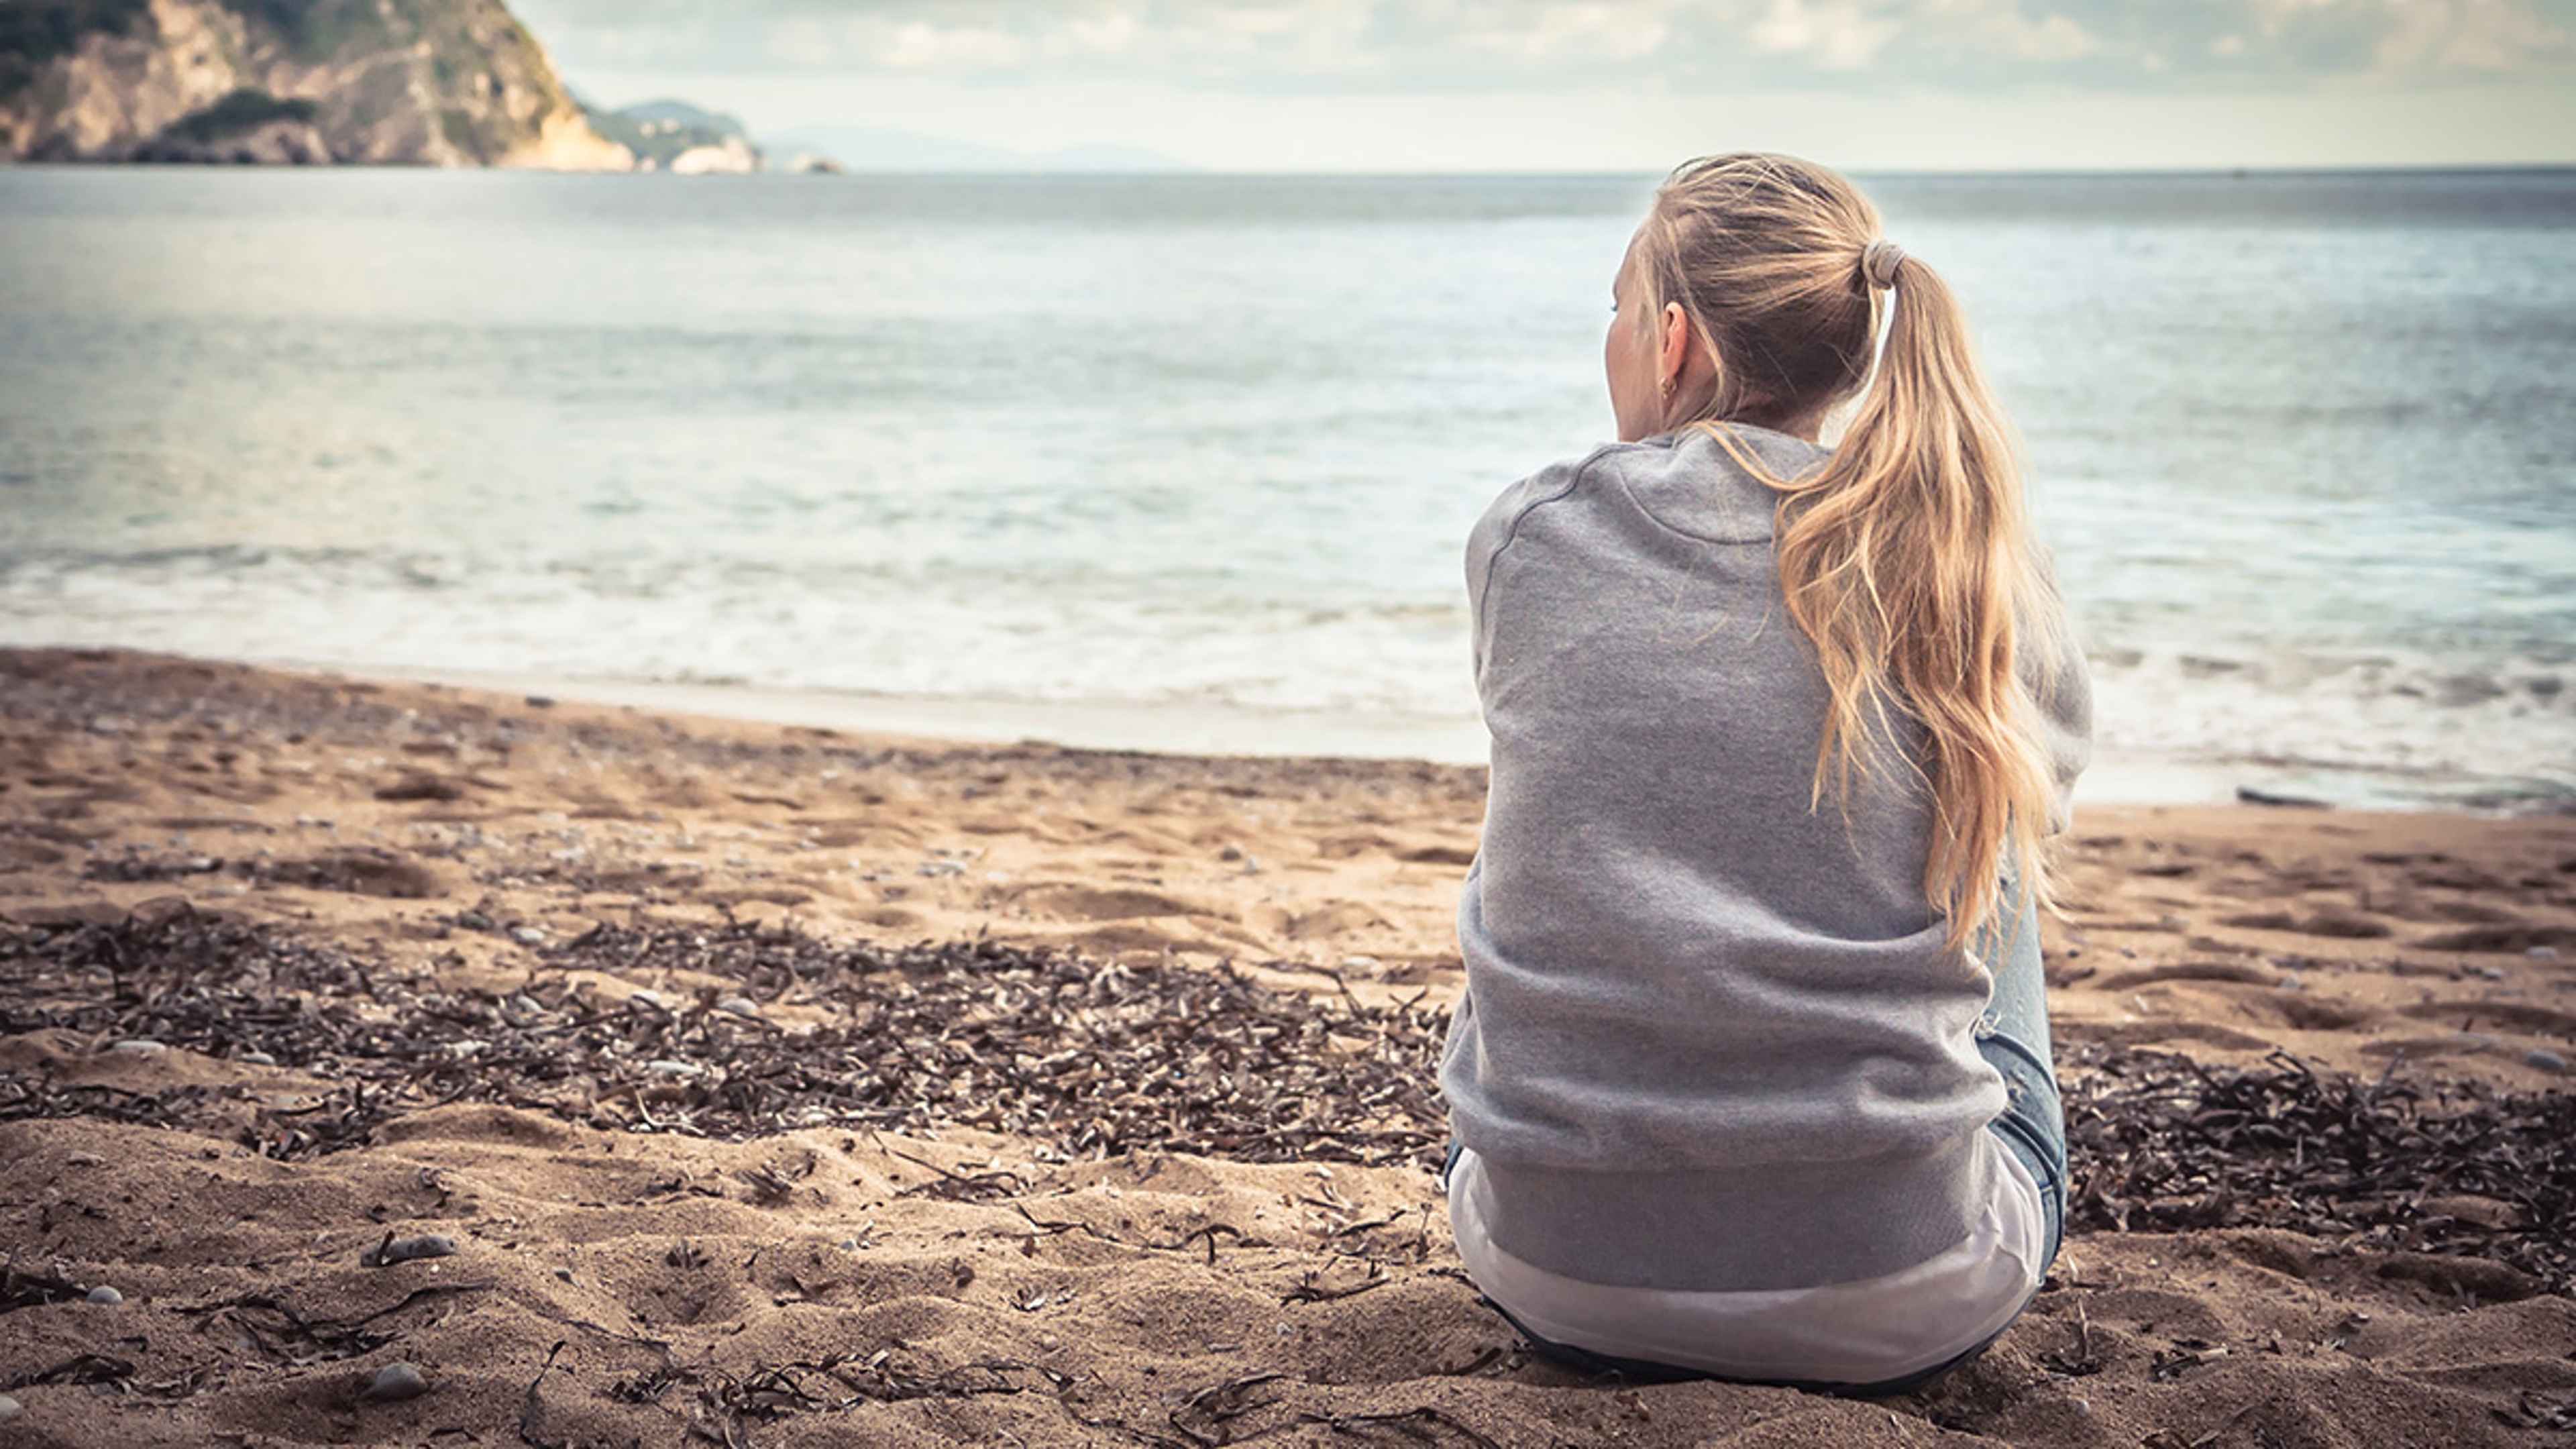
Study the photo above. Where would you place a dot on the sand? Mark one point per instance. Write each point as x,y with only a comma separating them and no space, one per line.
290,966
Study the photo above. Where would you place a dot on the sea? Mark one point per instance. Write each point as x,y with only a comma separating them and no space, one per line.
1188,461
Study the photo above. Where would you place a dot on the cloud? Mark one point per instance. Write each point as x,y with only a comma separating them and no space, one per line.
1505,45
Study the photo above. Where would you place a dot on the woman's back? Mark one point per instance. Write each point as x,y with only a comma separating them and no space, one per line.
1715,1038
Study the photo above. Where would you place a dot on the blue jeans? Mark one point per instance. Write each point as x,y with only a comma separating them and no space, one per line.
2012,1036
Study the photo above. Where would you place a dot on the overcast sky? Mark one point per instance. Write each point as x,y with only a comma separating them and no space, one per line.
1619,85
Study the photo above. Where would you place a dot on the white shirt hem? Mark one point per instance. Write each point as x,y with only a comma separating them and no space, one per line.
1874,1330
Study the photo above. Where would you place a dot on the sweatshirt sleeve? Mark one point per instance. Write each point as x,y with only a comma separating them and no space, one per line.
1494,532
2061,689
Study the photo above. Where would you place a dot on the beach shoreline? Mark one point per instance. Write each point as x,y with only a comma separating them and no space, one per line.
1219,728
295,963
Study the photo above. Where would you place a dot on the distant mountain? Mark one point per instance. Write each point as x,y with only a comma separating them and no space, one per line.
860,148
679,137
405,82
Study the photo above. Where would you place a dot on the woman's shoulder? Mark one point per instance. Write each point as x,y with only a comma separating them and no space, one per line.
1715,484
1711,483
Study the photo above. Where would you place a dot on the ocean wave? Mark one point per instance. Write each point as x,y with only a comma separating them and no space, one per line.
2422,716
1096,639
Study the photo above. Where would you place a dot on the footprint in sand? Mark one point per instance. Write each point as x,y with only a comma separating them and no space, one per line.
2234,971
1064,901
2512,1015
2331,921
2158,1031
2457,913
2310,1013
1332,919
2514,937
27,855
363,872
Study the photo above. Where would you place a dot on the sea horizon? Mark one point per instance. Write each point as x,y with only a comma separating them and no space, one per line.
1183,171
1192,456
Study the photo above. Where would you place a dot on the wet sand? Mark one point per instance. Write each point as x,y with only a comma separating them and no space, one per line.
778,1086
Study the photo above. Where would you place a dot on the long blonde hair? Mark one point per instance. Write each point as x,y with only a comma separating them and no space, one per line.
1906,559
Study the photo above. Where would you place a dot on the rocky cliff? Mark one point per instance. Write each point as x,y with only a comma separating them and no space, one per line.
398,82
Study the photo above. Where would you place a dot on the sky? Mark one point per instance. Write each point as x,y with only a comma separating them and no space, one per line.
1619,85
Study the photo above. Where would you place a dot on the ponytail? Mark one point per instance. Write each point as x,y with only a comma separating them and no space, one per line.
1906,559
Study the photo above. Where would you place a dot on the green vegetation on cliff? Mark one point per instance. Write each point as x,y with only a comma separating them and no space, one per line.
246,109
33,32
313,30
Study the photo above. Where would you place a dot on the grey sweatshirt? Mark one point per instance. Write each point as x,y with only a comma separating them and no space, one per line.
1712,1038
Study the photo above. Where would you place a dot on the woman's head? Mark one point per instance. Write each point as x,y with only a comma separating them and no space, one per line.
1744,296
1753,294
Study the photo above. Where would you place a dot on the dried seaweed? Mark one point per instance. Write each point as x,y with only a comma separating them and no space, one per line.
21,1289
285,1333
1088,1058
82,1368
727,1404
1092,1058
1422,1426
2162,1143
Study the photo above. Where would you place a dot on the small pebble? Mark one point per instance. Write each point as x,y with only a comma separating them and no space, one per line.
527,935
404,1250
2546,1061
141,1047
84,1159
476,921
2292,981
1049,1343
673,1068
394,1382
10,1408
258,1059
105,1297
2541,953
739,1006
2492,973
2476,1041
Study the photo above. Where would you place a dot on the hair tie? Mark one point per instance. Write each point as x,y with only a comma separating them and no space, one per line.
1879,262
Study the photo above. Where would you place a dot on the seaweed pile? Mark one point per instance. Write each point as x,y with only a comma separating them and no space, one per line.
1087,1058
2161,1143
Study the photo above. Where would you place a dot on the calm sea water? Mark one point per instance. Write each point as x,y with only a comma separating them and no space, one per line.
2305,446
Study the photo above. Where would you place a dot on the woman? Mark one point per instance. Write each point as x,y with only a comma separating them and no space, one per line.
1751,1078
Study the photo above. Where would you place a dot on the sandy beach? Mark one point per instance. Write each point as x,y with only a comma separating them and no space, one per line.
411,1065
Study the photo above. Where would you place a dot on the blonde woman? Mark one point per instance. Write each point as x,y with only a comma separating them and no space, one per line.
1751,1078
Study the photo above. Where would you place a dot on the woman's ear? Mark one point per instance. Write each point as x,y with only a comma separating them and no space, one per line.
1676,350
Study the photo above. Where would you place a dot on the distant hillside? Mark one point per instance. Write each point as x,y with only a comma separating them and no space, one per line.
401,82
677,136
